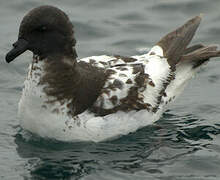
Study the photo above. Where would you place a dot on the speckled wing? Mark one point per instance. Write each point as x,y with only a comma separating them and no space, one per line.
105,61
140,82
131,82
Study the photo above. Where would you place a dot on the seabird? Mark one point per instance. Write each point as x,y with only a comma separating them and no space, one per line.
100,97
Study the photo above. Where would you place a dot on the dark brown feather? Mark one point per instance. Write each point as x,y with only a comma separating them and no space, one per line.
203,53
80,82
174,44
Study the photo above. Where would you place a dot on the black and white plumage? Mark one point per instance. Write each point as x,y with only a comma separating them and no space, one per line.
99,97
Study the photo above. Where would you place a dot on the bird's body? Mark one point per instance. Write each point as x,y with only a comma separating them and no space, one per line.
104,119
101,97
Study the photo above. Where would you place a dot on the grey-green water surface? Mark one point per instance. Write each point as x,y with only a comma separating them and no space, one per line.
183,145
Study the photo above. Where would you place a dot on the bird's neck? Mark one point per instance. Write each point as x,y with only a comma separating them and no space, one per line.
66,80
68,51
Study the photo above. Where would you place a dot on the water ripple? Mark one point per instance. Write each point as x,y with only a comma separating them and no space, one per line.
183,144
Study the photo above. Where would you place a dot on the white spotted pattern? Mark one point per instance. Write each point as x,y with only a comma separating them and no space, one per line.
119,93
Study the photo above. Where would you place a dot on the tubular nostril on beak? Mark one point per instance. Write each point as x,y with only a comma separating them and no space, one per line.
18,48
15,44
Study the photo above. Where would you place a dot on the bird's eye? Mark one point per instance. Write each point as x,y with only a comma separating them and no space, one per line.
42,29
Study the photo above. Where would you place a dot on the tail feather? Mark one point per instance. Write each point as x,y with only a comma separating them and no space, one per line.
175,43
203,53
193,48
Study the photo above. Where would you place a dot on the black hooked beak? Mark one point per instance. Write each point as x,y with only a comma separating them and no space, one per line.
19,47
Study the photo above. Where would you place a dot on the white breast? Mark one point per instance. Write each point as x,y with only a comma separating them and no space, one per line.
85,127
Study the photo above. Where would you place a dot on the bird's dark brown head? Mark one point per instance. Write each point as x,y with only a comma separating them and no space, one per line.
45,31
